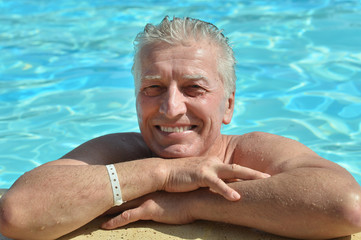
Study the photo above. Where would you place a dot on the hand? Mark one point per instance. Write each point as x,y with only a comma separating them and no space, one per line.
161,207
188,174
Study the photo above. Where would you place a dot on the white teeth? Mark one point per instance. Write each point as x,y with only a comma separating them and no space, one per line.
175,129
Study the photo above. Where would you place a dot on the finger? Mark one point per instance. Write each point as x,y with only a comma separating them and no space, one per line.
216,185
125,206
129,216
235,171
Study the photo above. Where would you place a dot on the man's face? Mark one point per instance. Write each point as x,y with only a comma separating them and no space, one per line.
181,103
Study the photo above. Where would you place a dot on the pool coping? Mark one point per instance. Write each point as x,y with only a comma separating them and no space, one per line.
156,231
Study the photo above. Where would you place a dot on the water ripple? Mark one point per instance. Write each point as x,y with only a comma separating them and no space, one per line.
65,73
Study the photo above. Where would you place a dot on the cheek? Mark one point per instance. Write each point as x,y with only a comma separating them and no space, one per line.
145,107
215,107
211,111
140,110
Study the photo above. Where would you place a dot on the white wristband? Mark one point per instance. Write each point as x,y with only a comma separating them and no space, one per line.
117,193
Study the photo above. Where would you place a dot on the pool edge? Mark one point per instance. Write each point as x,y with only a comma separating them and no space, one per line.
157,231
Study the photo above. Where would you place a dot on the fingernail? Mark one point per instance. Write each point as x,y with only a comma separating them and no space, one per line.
266,175
235,195
105,225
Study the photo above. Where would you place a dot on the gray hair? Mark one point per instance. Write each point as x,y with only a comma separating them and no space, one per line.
181,31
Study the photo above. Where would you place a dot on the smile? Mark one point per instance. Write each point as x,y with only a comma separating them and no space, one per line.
175,129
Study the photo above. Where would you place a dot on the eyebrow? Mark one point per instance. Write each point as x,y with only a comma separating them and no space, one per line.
186,77
151,77
194,77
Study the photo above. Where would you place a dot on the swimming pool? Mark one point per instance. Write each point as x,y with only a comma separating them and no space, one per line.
65,73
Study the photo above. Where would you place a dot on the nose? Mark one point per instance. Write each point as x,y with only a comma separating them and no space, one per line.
173,103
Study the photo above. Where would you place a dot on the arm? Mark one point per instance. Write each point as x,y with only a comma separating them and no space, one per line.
65,194
307,196
302,208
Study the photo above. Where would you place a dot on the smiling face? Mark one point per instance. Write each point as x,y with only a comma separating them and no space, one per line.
181,103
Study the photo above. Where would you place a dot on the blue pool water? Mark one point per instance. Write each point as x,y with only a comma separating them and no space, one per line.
65,73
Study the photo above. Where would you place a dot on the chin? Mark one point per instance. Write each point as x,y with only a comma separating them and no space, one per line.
174,152
174,155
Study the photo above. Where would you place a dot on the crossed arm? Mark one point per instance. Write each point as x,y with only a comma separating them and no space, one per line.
60,196
305,196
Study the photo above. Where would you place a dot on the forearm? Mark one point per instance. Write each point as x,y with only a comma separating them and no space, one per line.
53,200
50,201
287,204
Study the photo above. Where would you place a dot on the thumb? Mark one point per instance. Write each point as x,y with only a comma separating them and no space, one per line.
128,216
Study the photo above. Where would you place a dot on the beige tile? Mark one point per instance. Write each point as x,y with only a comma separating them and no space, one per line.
148,230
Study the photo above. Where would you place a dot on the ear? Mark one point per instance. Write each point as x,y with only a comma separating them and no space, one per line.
228,113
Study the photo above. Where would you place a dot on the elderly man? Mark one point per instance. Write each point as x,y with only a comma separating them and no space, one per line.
181,168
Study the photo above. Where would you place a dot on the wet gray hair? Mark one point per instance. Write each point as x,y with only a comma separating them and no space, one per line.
181,31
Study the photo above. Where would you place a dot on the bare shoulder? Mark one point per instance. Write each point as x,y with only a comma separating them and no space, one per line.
262,151
267,142
111,148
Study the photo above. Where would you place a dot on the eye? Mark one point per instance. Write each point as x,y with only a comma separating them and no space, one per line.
153,90
194,90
